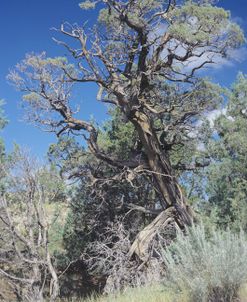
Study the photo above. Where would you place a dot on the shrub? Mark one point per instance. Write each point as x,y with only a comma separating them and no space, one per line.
210,267
109,257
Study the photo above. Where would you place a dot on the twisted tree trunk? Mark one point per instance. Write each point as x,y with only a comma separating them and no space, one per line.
174,203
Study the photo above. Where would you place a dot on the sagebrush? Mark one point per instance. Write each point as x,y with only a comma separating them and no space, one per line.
210,267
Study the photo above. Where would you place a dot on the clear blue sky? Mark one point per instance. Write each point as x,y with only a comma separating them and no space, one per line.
25,26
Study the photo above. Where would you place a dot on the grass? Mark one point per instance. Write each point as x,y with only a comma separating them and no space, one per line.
157,293
243,293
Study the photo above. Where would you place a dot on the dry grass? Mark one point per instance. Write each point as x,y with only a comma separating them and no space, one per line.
6,292
243,293
143,294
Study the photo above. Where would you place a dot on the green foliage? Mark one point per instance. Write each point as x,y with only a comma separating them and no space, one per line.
117,136
48,78
202,23
87,4
210,267
3,120
76,230
194,22
227,175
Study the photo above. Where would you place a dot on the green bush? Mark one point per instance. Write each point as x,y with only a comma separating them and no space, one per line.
209,267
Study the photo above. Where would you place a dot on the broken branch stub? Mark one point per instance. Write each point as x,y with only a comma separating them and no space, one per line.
141,244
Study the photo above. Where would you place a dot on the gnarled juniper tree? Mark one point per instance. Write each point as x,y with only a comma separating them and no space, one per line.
145,57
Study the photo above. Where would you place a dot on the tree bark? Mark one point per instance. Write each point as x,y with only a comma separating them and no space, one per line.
54,283
174,202
161,169
140,245
36,294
